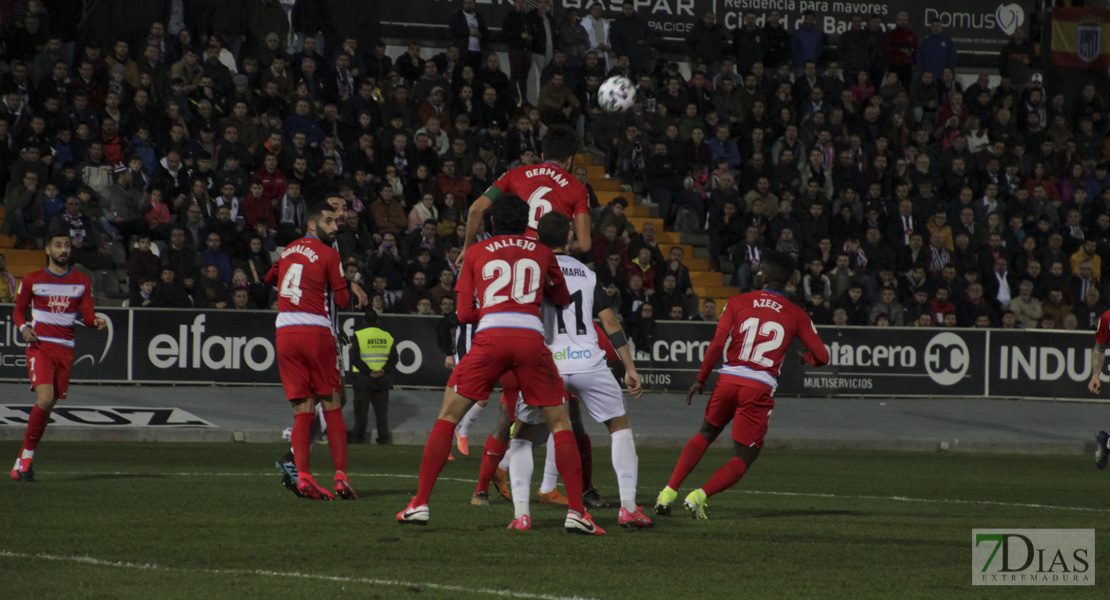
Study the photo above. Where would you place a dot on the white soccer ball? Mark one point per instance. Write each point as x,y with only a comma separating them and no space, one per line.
616,94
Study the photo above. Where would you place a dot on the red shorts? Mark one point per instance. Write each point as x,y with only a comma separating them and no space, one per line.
307,363
50,364
524,355
748,408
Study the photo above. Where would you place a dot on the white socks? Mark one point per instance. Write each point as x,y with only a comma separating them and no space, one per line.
626,464
463,428
504,464
520,474
550,473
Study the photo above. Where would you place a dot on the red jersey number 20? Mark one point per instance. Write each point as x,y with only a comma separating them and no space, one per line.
524,276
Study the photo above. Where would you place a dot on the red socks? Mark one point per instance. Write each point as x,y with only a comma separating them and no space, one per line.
569,464
725,477
492,454
337,438
691,454
36,424
585,448
435,456
302,440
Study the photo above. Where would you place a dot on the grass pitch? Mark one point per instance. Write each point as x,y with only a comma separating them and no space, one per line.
211,520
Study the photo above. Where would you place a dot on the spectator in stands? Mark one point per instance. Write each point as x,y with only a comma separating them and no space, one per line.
940,306
143,264
388,213
210,292
8,287
902,49
1055,306
808,42
142,294
633,297
414,292
607,243
708,312
426,239
937,51
215,256
445,288
633,36
707,42
746,258
469,33
169,292
851,301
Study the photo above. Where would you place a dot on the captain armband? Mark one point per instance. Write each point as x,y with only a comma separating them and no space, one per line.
618,339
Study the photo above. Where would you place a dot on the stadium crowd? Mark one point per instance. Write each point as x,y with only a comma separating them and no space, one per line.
183,159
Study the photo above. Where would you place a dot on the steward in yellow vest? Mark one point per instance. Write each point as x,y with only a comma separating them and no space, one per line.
373,355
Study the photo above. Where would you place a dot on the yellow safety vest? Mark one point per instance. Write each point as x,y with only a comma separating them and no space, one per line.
373,346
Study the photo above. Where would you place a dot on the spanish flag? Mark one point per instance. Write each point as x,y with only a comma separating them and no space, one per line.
1081,38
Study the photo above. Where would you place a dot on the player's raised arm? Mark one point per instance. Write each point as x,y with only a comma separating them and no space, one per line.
615,333
271,278
474,219
1098,359
465,306
717,346
816,353
337,282
1098,352
581,244
19,317
556,289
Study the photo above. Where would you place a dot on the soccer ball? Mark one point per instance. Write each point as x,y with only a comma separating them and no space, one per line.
616,94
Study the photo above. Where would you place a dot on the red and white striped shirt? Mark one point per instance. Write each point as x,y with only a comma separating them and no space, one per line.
55,301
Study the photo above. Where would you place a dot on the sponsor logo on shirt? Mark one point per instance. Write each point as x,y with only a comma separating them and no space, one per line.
568,354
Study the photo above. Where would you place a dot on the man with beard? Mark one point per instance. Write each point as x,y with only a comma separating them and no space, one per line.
55,295
322,424
311,284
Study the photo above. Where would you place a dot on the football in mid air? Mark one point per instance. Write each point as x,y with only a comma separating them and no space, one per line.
616,94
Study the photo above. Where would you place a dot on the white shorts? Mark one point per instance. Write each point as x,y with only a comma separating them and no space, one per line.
598,391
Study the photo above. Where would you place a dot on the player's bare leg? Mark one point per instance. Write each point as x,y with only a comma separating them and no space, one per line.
36,425
304,412
435,456
570,469
336,431
492,454
724,478
691,455
591,497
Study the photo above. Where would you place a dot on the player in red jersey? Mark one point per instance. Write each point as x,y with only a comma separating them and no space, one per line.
546,187
55,295
310,274
287,464
1098,359
509,276
761,325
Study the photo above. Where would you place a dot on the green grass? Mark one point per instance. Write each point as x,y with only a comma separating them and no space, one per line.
800,525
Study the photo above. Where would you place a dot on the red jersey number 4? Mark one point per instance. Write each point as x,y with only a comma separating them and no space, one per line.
291,284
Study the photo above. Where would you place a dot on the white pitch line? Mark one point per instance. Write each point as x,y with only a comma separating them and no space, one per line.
89,560
927,500
750,492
